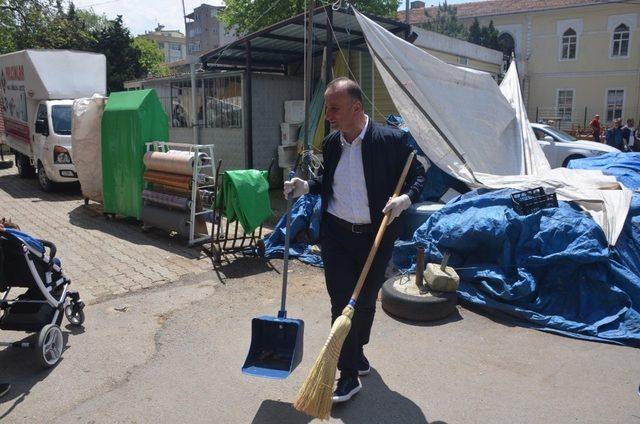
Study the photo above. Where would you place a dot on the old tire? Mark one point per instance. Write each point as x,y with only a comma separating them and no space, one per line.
401,298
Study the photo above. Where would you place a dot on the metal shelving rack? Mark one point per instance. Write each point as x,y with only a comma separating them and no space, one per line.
196,184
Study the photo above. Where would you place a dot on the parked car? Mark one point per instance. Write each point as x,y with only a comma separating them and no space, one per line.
560,147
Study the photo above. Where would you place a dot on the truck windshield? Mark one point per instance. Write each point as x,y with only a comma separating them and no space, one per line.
61,117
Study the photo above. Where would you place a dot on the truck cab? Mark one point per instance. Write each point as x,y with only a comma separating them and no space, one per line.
51,143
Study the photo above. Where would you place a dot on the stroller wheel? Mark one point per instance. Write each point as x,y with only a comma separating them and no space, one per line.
74,314
50,345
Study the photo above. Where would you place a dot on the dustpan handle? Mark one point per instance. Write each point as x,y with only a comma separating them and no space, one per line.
285,268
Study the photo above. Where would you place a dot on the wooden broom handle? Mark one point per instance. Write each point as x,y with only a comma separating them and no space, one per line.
380,234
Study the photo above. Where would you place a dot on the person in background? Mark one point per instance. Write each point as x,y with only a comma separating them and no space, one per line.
596,128
614,135
629,136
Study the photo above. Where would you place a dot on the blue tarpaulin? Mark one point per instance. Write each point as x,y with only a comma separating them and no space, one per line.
552,270
624,166
305,230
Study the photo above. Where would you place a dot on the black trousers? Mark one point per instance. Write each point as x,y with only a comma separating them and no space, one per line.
344,255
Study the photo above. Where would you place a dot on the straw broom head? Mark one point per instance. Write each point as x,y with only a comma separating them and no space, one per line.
314,397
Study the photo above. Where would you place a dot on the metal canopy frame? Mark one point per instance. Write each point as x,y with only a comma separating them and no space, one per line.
281,44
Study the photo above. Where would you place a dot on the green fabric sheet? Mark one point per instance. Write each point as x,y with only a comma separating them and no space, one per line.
246,197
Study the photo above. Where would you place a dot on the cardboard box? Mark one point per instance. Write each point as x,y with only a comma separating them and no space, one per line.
289,133
294,111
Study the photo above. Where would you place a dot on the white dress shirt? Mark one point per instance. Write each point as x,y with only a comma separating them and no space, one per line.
349,200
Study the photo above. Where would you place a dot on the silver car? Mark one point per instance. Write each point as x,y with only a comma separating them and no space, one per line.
560,147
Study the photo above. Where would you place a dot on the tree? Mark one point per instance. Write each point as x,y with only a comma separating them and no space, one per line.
28,24
92,21
489,37
475,32
123,59
246,16
445,22
32,24
67,31
27,20
151,58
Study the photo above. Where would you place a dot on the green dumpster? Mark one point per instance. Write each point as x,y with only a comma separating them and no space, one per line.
130,119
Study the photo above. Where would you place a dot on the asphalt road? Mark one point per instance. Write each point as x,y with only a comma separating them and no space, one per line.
173,354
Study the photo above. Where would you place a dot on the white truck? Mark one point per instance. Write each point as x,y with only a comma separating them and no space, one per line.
37,89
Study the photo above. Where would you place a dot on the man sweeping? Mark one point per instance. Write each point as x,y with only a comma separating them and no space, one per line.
362,164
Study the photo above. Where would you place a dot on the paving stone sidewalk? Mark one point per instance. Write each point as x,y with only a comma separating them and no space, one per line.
102,257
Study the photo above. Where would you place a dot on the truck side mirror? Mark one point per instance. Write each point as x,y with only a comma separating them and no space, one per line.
42,127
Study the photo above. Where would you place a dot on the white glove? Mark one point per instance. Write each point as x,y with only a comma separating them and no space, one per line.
396,205
296,186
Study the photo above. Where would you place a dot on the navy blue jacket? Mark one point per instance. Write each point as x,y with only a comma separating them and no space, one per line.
384,153
614,137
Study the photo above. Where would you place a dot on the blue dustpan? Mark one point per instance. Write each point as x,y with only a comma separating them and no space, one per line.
276,342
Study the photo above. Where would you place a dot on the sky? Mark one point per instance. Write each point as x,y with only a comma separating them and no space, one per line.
144,15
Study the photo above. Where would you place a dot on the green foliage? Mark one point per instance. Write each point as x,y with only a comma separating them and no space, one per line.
45,24
246,16
151,58
123,59
445,22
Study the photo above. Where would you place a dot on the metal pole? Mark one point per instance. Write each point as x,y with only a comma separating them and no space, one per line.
406,12
248,124
192,70
308,80
329,65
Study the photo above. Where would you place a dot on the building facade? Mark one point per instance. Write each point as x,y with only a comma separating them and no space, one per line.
205,31
576,58
171,42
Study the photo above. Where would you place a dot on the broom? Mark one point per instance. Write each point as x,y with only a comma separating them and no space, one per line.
314,397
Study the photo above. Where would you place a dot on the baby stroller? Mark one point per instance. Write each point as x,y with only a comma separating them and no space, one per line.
25,263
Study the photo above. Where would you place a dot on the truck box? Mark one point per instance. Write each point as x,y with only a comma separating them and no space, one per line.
37,89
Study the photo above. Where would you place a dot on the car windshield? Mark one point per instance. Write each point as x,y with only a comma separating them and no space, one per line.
61,117
559,134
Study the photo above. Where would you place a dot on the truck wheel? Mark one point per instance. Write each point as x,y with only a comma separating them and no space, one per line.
25,170
6,164
45,183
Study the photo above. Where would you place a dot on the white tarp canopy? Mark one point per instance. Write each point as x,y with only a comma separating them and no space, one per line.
479,132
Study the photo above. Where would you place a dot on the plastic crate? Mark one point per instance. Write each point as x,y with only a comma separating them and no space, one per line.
531,201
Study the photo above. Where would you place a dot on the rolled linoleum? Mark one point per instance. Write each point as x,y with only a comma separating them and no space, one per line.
173,161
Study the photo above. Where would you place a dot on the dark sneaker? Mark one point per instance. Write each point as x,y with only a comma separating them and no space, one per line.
363,366
346,388
4,389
